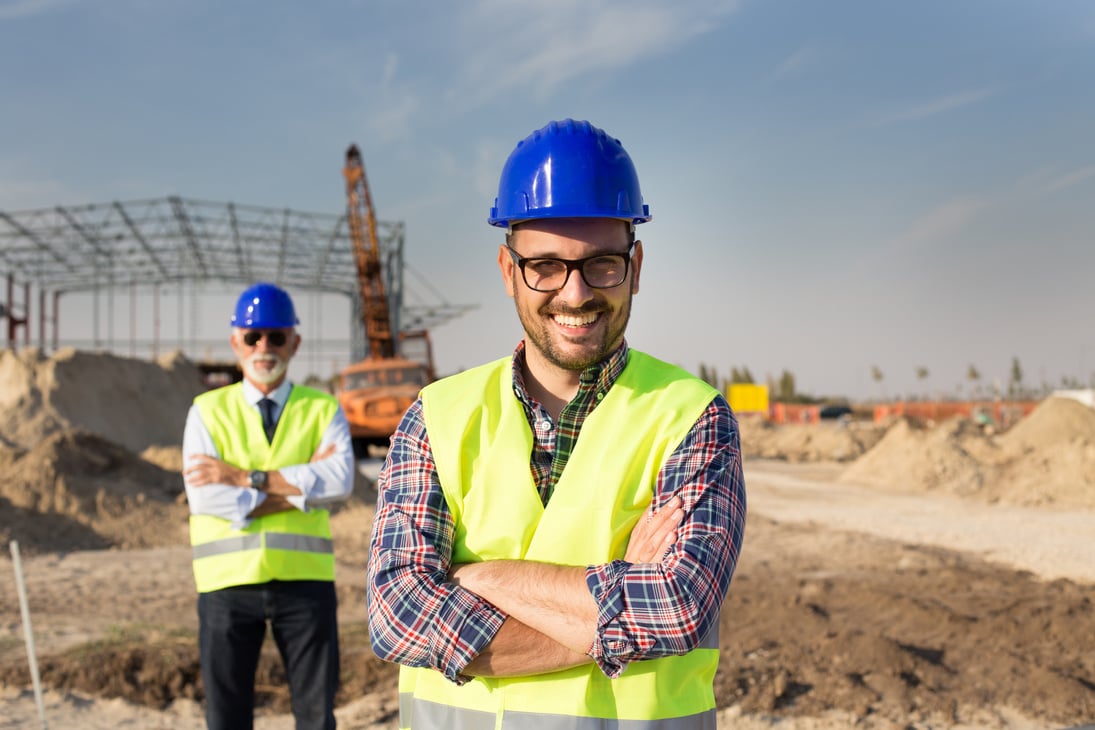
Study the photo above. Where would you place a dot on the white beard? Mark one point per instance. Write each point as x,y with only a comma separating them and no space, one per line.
265,377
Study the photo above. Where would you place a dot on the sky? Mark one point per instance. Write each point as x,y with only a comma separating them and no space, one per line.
838,189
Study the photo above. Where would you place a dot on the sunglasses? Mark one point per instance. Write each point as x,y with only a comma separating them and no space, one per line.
274,338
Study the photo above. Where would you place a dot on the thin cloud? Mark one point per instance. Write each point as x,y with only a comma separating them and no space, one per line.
939,105
940,222
586,38
391,65
937,225
1075,177
28,8
391,119
795,63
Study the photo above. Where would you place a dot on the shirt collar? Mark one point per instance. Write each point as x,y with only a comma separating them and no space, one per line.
253,395
600,375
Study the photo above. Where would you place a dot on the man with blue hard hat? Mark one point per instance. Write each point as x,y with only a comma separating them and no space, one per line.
556,530
262,461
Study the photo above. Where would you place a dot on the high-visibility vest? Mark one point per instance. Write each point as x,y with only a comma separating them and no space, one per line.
482,444
288,545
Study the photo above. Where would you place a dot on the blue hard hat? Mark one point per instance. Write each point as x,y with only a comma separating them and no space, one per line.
568,169
265,305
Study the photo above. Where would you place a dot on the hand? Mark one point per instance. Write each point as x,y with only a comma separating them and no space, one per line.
203,469
654,533
322,453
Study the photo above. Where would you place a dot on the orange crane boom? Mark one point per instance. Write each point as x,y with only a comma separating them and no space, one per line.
375,392
362,222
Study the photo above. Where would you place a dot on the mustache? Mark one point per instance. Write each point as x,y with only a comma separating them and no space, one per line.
591,308
264,357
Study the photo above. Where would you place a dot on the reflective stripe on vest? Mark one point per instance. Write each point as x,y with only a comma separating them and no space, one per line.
426,714
274,540
482,445
287,545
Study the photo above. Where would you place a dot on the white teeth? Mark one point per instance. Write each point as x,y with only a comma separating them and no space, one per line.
571,320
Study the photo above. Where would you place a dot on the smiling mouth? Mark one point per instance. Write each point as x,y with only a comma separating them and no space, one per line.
576,320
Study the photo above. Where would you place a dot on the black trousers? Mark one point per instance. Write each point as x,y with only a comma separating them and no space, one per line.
232,626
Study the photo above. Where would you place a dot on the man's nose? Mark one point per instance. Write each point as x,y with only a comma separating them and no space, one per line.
575,289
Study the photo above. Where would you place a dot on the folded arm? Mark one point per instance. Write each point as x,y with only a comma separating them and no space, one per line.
641,608
215,487
513,618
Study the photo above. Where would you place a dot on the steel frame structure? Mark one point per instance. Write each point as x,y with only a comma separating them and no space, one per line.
176,241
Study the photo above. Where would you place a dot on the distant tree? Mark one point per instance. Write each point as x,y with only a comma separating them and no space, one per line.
786,386
922,374
877,376
1015,382
974,376
741,376
709,376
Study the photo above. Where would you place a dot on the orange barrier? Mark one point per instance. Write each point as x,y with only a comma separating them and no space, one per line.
794,413
1001,413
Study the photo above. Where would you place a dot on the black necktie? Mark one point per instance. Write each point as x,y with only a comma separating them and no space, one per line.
268,423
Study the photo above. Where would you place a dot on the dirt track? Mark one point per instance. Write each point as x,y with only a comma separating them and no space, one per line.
851,607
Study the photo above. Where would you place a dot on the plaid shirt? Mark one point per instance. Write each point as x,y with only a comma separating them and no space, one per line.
646,611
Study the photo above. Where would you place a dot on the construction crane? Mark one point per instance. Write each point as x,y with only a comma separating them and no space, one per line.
375,392
366,245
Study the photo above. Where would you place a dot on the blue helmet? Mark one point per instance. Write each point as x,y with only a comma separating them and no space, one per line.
265,305
568,169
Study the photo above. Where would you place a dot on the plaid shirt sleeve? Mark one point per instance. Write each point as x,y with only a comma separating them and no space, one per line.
416,616
653,610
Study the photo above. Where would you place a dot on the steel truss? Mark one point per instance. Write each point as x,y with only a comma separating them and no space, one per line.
177,241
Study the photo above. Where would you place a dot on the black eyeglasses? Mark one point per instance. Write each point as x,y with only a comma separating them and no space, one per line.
603,271
274,338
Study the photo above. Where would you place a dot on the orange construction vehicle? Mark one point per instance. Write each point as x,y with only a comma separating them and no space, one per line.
376,391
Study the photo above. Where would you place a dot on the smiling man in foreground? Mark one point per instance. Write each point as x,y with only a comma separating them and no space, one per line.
556,530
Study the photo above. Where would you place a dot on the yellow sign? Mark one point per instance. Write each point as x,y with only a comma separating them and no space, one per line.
748,398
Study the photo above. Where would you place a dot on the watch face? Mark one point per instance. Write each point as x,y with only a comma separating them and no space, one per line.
258,479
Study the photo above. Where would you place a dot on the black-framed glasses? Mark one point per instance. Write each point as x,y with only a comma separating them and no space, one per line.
274,338
602,271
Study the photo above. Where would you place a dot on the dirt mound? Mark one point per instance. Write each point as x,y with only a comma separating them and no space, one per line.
954,456
135,403
1054,422
1047,459
76,490
1052,454
797,442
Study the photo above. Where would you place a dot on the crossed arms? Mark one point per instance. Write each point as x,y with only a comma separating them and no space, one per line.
215,487
512,617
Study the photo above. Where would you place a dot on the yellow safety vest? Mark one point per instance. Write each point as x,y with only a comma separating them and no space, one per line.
482,445
289,545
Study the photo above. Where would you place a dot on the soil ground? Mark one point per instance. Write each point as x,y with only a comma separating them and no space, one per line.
898,576
827,624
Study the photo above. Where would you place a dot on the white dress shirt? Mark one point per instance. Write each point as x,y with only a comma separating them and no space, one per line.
320,482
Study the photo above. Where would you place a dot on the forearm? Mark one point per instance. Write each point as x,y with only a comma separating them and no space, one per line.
271,505
550,599
518,651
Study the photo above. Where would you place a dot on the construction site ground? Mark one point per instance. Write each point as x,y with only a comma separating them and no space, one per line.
896,575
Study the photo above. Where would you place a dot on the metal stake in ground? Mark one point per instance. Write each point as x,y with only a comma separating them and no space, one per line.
27,633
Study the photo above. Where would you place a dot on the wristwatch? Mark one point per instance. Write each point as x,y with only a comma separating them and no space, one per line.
258,480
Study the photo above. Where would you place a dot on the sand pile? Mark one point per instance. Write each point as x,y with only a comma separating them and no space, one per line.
797,442
90,450
135,403
1046,459
70,429
77,491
